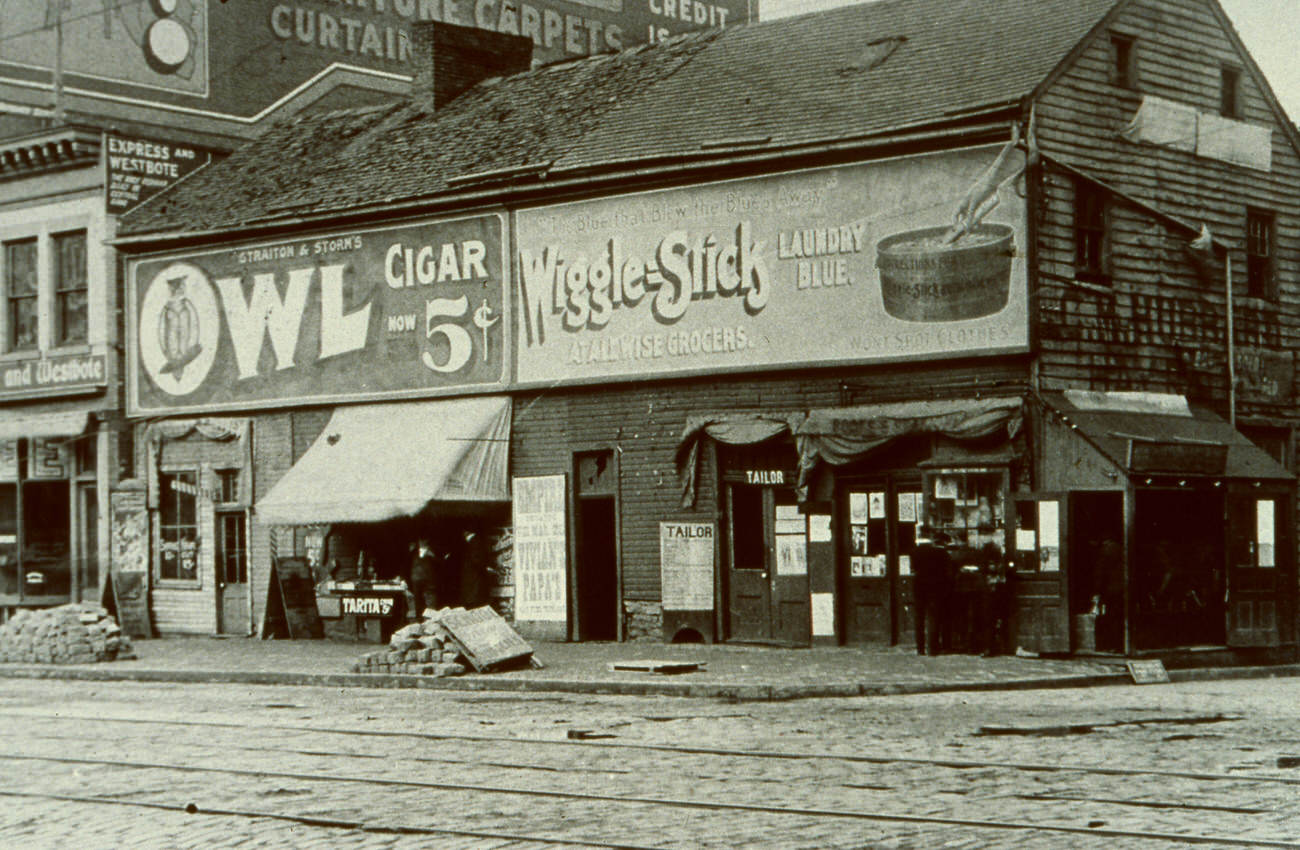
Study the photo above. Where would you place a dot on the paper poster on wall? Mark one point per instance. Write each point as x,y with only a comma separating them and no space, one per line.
789,520
858,566
858,539
876,506
907,507
686,565
541,548
878,566
823,614
819,528
8,460
1049,529
945,488
904,565
857,507
791,555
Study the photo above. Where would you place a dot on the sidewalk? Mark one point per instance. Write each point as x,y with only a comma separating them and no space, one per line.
728,672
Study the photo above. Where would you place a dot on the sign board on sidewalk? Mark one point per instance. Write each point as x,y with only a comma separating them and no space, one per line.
686,565
1148,672
131,603
292,596
486,640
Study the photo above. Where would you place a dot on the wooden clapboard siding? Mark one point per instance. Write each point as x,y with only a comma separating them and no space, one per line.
643,422
1162,325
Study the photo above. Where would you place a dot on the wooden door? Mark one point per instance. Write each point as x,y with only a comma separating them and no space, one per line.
1255,544
232,574
868,593
1040,601
906,505
749,571
791,614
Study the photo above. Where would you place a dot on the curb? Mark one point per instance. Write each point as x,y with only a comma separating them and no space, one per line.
698,690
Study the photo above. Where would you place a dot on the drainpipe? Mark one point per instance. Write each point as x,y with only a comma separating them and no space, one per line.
1232,354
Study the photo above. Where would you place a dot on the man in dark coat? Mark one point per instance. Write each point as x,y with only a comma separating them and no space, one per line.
424,566
932,581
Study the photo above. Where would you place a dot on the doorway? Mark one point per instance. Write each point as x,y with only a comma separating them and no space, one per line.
1178,581
232,574
768,569
1096,578
596,569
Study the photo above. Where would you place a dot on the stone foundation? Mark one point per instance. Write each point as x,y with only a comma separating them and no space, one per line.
642,620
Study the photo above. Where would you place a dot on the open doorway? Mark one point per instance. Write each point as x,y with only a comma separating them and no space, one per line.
596,579
1096,590
1177,569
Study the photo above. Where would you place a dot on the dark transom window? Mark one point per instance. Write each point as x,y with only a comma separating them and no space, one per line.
1091,243
1259,254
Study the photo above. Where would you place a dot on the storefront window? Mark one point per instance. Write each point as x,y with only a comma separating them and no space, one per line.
967,506
1038,536
178,527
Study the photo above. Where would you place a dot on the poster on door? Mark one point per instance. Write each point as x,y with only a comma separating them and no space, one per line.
686,564
541,549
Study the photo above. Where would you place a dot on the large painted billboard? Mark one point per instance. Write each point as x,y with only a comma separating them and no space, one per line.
241,59
398,312
904,259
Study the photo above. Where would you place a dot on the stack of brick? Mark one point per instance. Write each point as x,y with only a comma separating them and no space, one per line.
77,633
422,649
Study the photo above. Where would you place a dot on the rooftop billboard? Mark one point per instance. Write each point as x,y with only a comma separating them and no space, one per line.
240,61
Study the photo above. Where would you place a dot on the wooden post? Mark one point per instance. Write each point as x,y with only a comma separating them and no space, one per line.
1232,354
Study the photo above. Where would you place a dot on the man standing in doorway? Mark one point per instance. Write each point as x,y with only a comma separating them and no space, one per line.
932,579
423,568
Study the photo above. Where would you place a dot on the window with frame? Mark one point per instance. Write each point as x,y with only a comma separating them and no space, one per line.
178,526
70,288
1229,92
227,485
1124,54
21,286
1091,232
1259,254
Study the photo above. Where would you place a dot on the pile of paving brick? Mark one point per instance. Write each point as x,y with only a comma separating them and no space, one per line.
76,633
424,649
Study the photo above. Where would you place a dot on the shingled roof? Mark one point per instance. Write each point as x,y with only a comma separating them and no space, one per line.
854,72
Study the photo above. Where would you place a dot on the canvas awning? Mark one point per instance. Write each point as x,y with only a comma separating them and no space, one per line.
16,426
840,435
379,461
1152,434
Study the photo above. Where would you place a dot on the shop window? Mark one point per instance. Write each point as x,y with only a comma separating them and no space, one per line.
232,562
70,287
20,280
1124,54
747,528
1038,536
1229,92
1259,254
1091,233
967,506
178,526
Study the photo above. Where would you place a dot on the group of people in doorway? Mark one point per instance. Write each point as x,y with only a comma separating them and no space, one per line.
953,616
446,567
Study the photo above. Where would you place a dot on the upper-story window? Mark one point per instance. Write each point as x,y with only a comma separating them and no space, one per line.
70,287
1260,251
21,287
1230,92
1124,55
1091,233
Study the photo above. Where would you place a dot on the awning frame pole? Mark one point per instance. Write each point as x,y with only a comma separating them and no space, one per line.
1232,355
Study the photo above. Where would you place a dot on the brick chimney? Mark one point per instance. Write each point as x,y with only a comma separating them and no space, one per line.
449,59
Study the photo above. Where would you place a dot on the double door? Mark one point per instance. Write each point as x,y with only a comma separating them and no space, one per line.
878,520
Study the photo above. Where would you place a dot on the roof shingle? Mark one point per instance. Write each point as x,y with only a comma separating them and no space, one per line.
848,73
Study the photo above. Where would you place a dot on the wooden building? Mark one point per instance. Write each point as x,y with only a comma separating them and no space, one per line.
1017,271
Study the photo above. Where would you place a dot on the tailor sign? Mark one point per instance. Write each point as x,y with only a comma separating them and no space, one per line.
397,312
838,265
240,59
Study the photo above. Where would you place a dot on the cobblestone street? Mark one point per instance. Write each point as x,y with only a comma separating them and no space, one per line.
123,764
